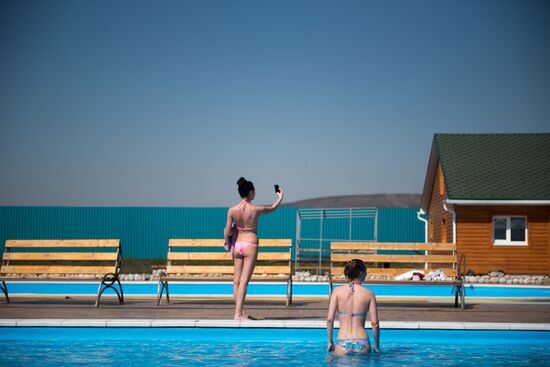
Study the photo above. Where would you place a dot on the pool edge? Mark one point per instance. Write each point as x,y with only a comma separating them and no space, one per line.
278,324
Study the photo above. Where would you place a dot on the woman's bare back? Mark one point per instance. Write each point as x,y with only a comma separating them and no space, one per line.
353,305
245,215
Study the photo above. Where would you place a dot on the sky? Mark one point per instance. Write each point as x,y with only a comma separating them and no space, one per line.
168,103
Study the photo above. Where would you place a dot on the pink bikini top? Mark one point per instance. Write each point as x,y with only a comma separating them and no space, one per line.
242,205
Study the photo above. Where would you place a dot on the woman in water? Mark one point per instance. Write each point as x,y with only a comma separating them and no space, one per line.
245,216
352,302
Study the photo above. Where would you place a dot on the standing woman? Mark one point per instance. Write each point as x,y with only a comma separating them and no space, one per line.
245,216
353,302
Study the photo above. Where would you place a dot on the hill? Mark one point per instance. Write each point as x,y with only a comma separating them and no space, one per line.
357,201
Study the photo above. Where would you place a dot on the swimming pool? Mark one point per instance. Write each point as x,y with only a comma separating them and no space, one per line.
263,347
311,290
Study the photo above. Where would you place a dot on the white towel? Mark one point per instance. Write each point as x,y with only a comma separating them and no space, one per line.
439,274
408,275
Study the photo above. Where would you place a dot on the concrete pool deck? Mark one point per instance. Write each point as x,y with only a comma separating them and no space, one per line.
79,311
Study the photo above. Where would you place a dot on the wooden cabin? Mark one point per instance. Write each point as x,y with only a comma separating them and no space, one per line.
490,194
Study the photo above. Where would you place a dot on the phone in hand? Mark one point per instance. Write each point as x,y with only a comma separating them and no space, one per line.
276,188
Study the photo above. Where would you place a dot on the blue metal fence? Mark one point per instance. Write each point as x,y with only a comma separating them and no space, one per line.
144,231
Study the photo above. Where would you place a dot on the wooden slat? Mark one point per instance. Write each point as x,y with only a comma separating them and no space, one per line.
37,269
54,276
62,243
344,246
223,269
224,256
404,282
60,256
195,243
199,256
395,258
392,271
173,242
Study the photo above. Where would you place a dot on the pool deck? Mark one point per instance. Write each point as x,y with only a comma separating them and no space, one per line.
32,311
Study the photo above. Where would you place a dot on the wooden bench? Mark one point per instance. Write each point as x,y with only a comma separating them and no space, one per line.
63,260
428,257
194,260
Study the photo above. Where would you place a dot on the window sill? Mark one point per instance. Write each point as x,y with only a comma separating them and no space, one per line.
514,244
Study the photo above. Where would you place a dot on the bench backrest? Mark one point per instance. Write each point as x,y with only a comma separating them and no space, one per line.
89,258
196,256
426,256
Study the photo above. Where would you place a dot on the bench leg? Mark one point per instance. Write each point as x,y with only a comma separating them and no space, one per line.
462,303
289,291
459,296
107,282
456,295
4,288
163,284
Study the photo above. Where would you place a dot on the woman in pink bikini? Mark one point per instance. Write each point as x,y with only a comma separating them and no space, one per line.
353,302
245,216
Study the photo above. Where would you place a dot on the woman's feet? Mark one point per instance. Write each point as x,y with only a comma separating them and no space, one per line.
243,317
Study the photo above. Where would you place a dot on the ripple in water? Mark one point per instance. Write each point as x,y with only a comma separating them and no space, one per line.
186,353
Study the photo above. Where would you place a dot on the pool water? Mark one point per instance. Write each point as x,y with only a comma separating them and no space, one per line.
264,347
299,289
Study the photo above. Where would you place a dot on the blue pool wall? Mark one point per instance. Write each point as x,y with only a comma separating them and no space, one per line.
144,231
479,338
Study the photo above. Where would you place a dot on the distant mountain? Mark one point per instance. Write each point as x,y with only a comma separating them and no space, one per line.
360,201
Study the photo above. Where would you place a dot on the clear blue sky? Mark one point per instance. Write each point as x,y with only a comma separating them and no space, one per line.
167,103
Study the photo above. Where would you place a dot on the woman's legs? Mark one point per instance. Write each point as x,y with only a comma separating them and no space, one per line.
248,264
238,268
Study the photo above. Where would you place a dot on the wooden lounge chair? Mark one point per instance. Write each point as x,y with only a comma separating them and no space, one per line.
63,260
428,257
203,260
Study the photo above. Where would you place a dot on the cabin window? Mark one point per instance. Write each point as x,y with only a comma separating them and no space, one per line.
510,230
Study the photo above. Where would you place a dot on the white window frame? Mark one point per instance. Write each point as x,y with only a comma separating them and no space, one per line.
508,241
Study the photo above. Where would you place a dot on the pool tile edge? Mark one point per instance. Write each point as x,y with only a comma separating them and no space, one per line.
294,323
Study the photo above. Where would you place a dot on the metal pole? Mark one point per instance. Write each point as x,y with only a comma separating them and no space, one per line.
375,224
298,234
350,221
321,241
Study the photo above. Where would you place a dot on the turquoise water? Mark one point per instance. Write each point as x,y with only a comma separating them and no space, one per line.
275,289
264,347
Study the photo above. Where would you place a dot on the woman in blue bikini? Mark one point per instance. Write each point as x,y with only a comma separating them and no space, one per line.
245,216
352,302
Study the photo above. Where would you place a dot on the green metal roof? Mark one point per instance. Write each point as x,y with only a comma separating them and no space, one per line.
495,166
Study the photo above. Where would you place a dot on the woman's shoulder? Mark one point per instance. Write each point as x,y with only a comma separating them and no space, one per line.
368,292
341,288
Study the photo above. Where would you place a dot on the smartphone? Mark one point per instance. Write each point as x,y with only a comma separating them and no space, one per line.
276,188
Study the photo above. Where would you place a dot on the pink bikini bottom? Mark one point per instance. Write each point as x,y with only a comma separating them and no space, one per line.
241,245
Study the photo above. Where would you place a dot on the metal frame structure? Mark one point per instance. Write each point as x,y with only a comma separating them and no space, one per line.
322,214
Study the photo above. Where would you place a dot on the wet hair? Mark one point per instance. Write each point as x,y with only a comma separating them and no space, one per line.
245,187
354,268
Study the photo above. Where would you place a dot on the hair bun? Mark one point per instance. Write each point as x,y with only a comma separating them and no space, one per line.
241,181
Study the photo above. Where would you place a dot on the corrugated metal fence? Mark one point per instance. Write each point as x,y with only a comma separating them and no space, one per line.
144,231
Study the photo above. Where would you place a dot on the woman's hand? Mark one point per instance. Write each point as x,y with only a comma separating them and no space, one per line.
330,347
376,349
279,193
